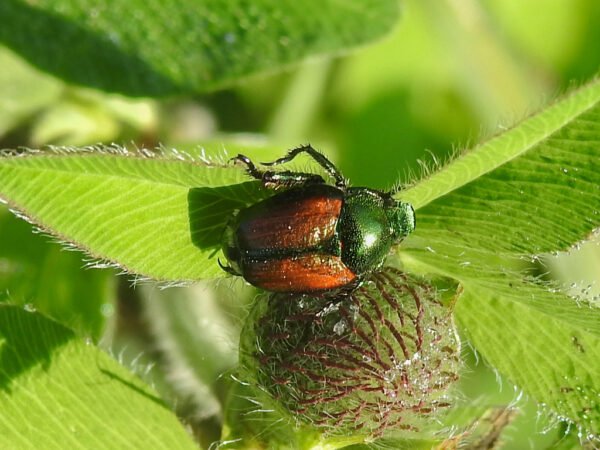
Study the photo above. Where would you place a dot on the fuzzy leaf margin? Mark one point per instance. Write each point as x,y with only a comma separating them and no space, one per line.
158,215
533,189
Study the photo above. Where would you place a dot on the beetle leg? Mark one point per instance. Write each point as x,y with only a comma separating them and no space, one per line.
290,179
250,167
319,157
227,269
274,180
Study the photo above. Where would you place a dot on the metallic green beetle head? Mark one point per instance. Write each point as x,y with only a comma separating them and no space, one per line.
402,219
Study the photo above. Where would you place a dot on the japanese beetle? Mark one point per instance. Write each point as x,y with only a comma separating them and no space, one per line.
313,237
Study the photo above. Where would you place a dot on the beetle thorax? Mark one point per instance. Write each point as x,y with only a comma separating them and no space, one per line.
365,230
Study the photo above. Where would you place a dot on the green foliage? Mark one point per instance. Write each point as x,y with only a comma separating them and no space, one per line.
156,214
58,391
146,215
190,46
487,220
22,91
51,279
531,190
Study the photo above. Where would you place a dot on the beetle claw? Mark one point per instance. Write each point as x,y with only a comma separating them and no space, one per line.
250,167
242,158
227,269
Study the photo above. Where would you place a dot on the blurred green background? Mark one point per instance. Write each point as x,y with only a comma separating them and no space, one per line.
453,73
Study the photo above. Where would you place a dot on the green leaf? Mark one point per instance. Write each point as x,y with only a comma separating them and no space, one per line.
59,392
158,214
159,217
131,48
533,189
575,113
41,274
543,342
23,91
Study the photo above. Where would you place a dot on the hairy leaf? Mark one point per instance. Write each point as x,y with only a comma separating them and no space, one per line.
158,217
531,190
41,274
542,341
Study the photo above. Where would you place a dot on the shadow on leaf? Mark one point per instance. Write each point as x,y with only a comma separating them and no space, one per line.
114,377
27,340
210,209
